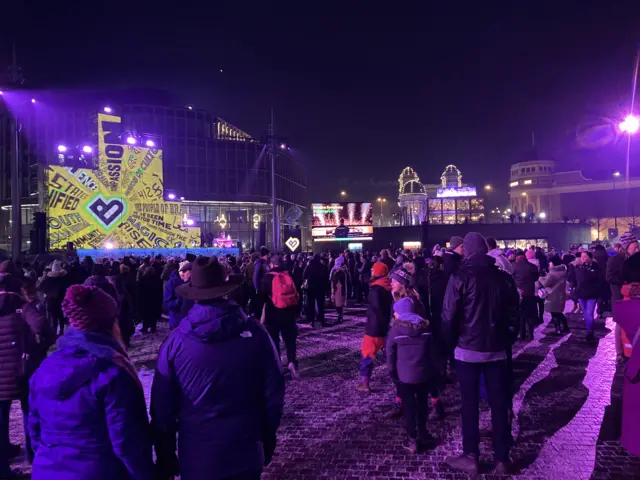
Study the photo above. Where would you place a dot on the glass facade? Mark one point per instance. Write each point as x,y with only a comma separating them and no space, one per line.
449,211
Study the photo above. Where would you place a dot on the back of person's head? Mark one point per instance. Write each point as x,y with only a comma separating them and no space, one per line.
264,251
631,269
98,269
556,261
277,260
491,243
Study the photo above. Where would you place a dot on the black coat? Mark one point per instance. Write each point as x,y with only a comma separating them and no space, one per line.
452,263
317,276
525,275
588,278
437,289
378,312
481,307
54,286
150,296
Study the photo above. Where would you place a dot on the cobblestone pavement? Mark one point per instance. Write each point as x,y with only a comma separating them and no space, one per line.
567,407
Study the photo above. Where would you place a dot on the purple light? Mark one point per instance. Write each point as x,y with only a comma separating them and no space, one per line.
189,221
87,149
62,148
33,100
1,92
171,196
131,140
283,146
630,125
107,110
150,143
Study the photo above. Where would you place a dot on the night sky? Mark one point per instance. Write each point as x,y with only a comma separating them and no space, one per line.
361,92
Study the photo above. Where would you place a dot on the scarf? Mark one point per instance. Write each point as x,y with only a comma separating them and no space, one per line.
383,282
101,346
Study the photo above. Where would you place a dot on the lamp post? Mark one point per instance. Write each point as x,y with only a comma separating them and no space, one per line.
381,201
343,194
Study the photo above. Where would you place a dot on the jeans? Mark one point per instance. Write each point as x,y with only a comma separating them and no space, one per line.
315,297
289,331
415,404
5,409
498,391
588,306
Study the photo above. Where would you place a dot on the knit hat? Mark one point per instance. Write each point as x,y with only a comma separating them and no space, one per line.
455,242
185,266
89,309
56,266
379,269
627,239
475,244
401,276
405,308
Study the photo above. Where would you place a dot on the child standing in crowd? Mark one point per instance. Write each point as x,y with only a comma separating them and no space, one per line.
378,317
409,358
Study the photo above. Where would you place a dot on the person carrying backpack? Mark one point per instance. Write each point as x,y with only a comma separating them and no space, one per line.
280,310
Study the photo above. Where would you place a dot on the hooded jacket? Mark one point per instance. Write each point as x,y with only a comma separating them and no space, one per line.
177,306
409,352
480,313
219,387
88,416
555,285
452,262
526,275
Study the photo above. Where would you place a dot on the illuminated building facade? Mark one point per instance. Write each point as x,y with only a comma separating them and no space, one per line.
412,198
222,173
540,188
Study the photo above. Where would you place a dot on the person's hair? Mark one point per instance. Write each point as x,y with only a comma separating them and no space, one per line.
589,254
124,268
631,269
556,261
491,243
98,269
277,260
264,251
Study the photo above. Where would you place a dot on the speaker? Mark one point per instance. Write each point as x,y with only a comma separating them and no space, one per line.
38,235
262,234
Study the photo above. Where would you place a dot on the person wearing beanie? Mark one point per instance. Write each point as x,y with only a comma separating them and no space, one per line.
480,319
615,279
177,306
409,356
377,326
340,281
88,414
316,277
151,296
453,256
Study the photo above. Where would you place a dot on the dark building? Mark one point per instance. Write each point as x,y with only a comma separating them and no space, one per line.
222,174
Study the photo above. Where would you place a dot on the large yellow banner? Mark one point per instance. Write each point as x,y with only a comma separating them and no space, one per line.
120,203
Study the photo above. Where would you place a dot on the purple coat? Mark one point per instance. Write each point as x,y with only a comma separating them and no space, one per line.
219,388
627,314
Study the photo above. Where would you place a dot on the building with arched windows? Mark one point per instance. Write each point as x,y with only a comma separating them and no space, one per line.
412,198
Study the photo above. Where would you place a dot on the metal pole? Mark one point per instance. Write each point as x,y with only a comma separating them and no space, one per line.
16,211
274,211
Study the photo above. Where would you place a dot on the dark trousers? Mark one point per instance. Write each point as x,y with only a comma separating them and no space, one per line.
149,322
540,302
415,405
559,321
289,331
529,315
364,291
497,383
315,298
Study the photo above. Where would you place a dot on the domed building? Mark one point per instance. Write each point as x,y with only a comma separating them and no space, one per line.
412,198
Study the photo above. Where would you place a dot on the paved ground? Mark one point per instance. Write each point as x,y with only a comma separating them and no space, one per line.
567,410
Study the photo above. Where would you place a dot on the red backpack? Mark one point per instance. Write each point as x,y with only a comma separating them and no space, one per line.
283,291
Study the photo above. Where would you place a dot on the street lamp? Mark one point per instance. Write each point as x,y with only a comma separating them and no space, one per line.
381,201
488,188
630,124
343,193
616,174
542,215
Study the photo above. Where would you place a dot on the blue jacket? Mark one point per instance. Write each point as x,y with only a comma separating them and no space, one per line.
88,416
219,386
177,306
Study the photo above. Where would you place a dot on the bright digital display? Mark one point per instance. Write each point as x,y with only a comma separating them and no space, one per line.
119,203
449,192
341,220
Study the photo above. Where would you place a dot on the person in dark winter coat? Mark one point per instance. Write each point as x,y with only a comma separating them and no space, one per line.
480,317
260,269
150,293
377,326
218,387
526,274
588,278
25,337
177,306
99,279
385,257
88,416
317,277
53,286
601,257
409,355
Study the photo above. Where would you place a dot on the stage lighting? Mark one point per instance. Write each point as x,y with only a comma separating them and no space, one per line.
171,196
109,246
150,143
62,148
108,110
131,140
87,149
190,221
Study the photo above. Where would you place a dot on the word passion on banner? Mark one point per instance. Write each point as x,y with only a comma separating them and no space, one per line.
121,202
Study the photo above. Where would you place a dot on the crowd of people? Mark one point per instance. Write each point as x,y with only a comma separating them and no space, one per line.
218,391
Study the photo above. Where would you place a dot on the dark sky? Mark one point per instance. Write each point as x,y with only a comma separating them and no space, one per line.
360,91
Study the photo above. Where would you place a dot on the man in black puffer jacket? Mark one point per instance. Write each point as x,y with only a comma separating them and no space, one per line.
480,317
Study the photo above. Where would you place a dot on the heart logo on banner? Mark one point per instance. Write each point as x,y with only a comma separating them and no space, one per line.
293,243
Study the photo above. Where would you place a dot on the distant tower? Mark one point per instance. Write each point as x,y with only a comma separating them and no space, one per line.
451,177
412,198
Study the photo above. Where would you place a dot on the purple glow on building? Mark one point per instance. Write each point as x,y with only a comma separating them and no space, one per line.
87,149
131,140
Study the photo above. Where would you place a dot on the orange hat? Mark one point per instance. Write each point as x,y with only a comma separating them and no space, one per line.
380,270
